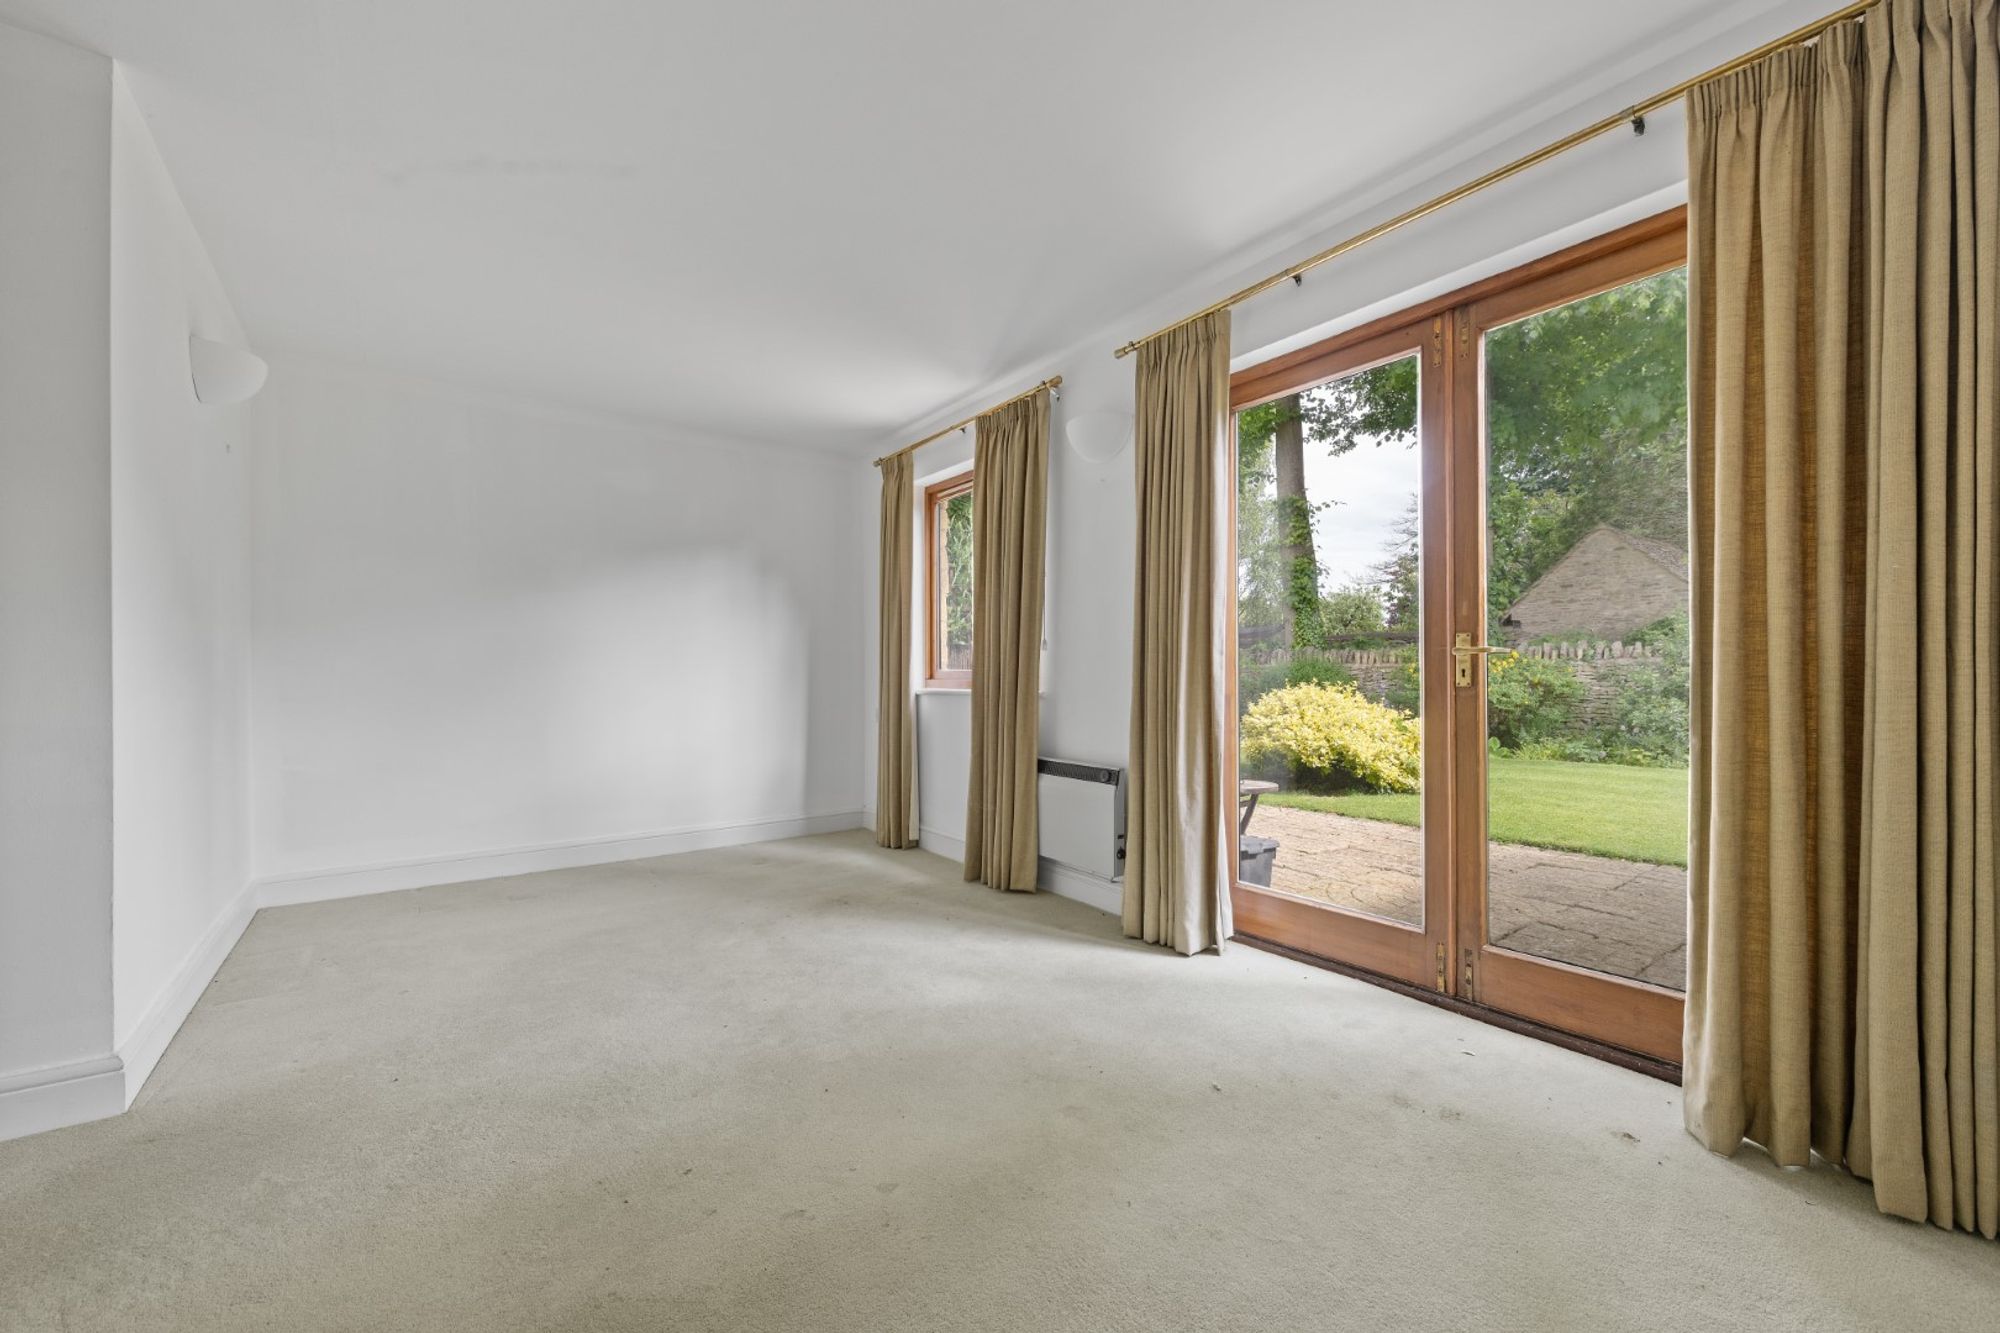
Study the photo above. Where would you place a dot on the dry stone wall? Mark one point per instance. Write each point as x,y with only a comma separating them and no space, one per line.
1603,669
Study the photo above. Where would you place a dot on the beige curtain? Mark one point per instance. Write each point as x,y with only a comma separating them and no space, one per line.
896,724
1010,485
1845,450
1177,870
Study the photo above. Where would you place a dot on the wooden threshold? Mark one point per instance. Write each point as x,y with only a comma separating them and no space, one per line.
1664,1070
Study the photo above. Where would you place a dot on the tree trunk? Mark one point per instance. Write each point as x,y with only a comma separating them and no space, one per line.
1301,566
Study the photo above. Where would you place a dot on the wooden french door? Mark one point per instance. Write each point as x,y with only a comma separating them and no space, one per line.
1404,931
1525,858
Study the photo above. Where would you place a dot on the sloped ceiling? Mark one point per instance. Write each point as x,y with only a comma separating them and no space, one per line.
796,220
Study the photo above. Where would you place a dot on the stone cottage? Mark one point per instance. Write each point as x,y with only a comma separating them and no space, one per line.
1606,586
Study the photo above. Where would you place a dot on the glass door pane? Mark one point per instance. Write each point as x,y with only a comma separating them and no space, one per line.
1586,543
1329,680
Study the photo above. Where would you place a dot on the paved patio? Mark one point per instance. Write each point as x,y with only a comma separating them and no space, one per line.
1623,917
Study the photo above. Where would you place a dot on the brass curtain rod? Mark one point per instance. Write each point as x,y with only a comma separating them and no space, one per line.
1633,115
1052,382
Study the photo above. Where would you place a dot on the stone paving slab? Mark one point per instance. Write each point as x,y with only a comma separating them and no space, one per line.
1628,918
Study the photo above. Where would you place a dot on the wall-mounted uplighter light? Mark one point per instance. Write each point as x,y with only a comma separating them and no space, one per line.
222,373
1099,437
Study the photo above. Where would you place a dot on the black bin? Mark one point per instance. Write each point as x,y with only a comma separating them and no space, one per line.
1255,857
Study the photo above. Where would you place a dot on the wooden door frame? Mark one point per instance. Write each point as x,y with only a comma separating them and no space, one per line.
1569,1000
1413,955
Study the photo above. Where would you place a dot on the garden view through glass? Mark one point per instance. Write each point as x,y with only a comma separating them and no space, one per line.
1583,456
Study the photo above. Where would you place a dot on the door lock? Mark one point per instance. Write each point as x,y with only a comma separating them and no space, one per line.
1463,651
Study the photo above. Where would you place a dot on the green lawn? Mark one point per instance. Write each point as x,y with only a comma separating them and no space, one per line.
1635,814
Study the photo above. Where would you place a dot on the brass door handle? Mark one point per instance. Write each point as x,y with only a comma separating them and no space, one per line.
1463,650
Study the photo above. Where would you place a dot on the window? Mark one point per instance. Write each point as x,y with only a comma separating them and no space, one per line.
948,584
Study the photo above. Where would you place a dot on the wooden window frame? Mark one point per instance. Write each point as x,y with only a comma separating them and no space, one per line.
936,675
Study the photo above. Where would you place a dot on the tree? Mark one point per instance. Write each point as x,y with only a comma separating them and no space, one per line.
1586,423
1260,603
1355,609
1278,572
958,581
1398,571
1295,524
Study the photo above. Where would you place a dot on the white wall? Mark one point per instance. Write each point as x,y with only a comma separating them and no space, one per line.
55,577
180,611
1086,711
488,634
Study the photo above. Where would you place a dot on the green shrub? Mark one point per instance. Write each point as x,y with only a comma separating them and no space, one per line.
1571,749
1530,699
1257,679
1647,724
1333,735
1669,635
1650,724
1404,687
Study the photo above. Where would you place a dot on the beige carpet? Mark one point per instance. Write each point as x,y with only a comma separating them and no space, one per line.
811,1085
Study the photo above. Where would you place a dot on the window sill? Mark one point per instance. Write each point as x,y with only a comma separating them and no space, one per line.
959,689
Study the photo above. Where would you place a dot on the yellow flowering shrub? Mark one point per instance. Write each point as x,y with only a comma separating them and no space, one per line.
1334,732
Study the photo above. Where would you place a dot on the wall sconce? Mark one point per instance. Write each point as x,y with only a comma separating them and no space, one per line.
223,374
1099,437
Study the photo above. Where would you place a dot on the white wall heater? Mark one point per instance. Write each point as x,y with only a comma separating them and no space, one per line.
1081,810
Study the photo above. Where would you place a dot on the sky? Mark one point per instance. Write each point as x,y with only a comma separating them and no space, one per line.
1373,485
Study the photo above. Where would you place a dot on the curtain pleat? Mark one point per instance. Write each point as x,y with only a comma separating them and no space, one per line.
1177,871
1844,264
896,724
1010,479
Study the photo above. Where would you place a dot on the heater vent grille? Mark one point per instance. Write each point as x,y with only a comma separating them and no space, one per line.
1063,768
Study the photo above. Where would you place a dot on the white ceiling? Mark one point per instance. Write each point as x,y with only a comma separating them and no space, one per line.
804,220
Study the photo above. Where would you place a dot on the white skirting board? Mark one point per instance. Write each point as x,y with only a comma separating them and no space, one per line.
72,1094
142,1048
1105,895
93,1089
106,1086
353,881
